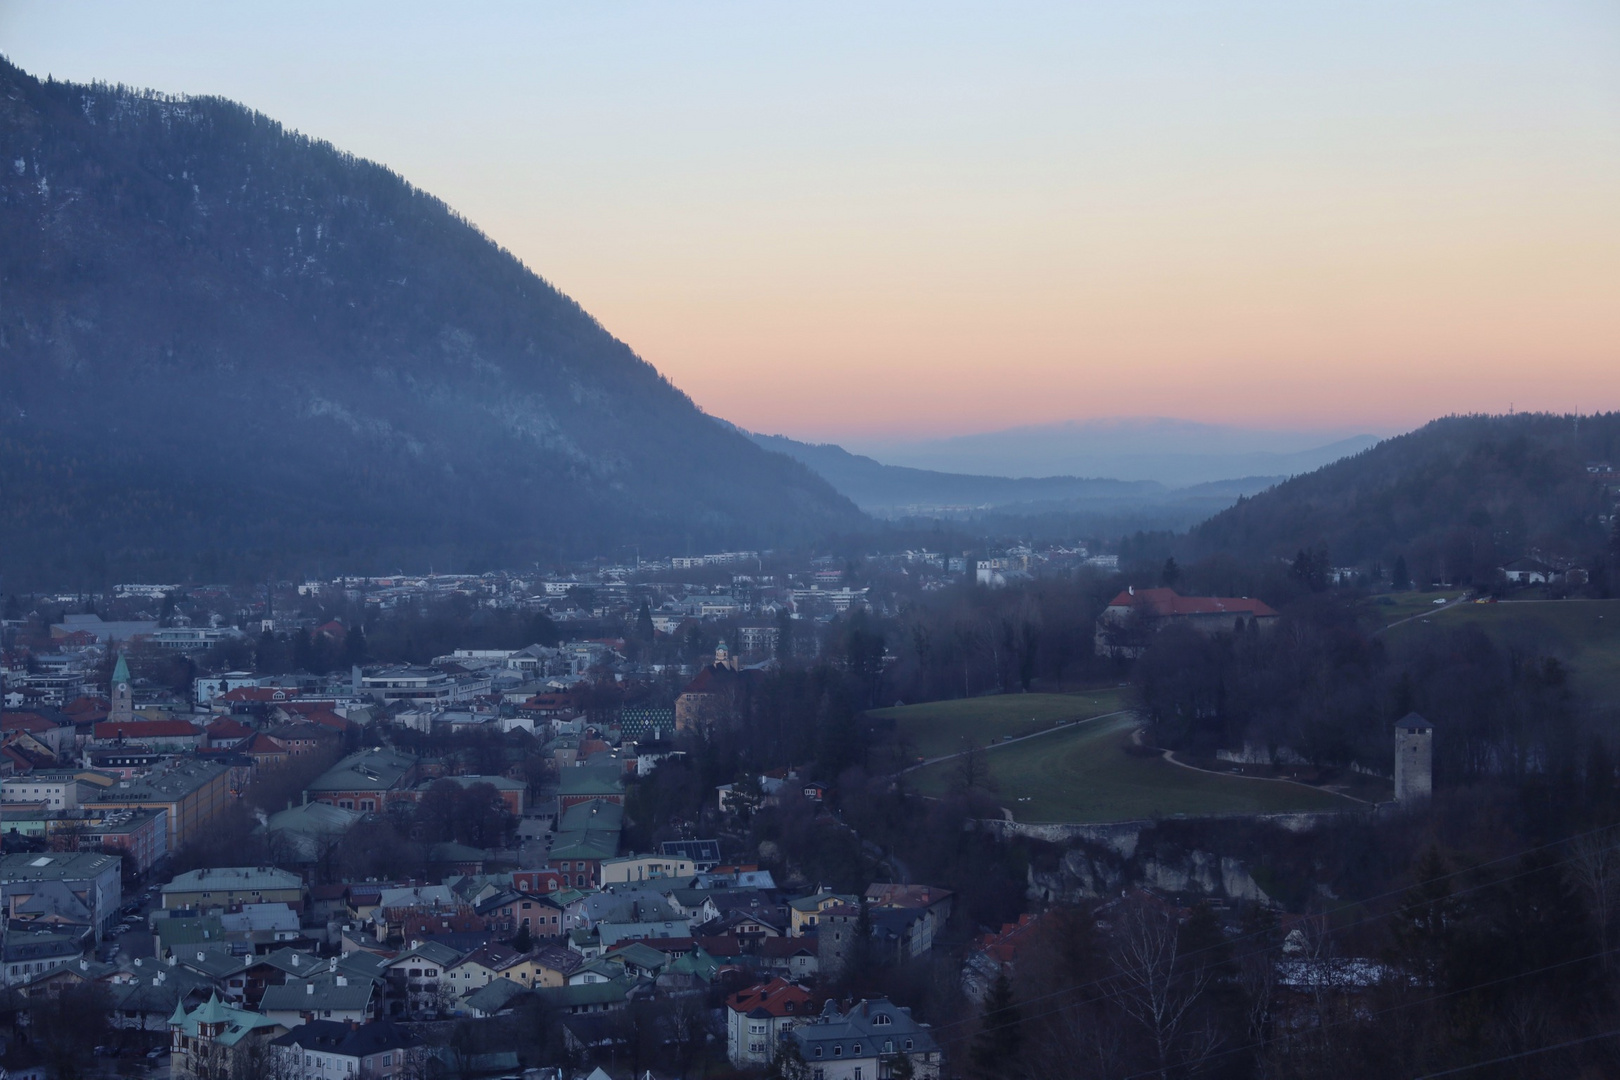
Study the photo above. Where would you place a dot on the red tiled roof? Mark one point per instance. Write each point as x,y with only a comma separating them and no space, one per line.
24,721
327,718
226,728
82,705
256,693
1167,602
775,998
135,730
1002,947
305,708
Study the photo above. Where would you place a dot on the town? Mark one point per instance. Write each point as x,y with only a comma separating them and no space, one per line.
668,819
511,891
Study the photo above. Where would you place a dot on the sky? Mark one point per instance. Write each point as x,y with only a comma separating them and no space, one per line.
874,221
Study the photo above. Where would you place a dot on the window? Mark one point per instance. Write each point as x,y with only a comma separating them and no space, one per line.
818,1051
856,1050
388,1059
838,1050
908,1044
881,1020
857,1072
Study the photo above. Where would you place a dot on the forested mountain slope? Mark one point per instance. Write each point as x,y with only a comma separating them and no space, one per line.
231,349
1455,498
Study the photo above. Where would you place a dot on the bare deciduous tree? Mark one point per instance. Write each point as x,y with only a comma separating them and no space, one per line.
1157,986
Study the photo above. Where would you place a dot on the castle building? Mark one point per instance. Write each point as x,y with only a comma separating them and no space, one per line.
1414,759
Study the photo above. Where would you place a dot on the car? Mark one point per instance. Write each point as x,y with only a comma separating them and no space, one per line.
1442,600
156,1052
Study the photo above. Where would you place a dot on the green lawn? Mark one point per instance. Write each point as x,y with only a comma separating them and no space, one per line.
940,727
1084,774
1585,634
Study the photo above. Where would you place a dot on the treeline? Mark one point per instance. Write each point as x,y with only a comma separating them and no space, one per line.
1454,500
1320,685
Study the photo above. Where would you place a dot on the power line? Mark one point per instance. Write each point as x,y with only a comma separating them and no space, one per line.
1521,1054
1259,1043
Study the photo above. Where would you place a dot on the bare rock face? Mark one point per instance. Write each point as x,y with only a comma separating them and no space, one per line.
1095,871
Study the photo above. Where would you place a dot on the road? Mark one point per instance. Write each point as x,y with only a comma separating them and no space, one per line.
1423,614
1065,726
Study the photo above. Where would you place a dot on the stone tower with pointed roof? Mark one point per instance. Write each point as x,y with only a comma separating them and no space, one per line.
122,696
1414,759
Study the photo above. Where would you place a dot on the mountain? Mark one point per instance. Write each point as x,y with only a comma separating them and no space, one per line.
1456,499
1178,453
894,491
229,348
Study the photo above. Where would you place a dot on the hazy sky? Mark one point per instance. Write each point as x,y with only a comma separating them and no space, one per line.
875,220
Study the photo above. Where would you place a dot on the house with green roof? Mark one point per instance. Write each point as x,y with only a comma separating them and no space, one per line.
582,783
365,781
608,996
206,1041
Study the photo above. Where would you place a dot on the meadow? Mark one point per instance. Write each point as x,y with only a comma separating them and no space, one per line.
1085,773
1584,634
937,728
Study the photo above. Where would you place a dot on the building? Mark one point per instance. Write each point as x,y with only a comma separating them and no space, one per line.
233,886
57,789
933,905
866,1042
337,998
208,1042
27,956
139,835
192,792
68,888
584,783
996,954
806,911
328,1050
417,978
714,694
758,1017
630,868
192,639
1529,572
423,686
1129,621
365,781
512,792
173,736
122,698
1414,759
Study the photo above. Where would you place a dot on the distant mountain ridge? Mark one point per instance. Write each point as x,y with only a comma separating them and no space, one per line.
1455,498
896,491
1177,453
230,349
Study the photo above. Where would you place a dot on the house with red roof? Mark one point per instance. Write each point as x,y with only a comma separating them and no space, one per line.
1131,619
226,733
757,1017
996,954
177,735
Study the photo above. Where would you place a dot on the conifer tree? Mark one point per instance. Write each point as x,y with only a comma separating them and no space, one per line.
996,1048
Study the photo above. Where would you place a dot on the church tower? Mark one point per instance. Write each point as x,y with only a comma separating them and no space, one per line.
1414,760
123,700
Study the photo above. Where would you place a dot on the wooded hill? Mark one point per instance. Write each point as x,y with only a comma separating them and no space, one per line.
230,349
1456,498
